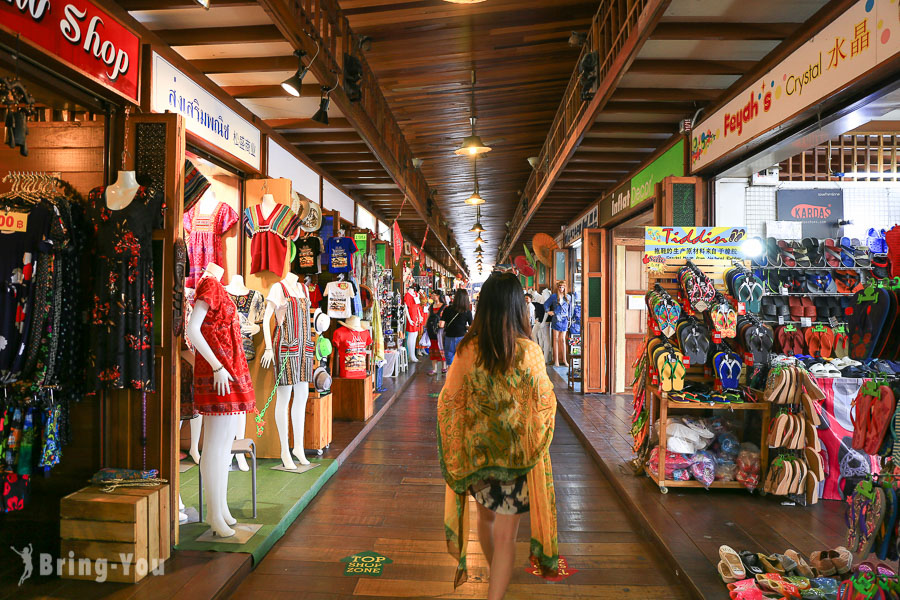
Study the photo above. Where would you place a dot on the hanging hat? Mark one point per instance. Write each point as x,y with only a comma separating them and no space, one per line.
365,296
313,220
544,245
353,324
321,380
195,185
323,347
523,266
300,205
321,321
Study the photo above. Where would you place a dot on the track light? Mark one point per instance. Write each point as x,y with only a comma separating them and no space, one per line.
416,163
321,115
294,84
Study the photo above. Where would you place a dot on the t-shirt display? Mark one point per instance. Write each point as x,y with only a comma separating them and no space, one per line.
122,304
306,261
339,254
340,295
221,330
351,352
205,238
269,236
250,308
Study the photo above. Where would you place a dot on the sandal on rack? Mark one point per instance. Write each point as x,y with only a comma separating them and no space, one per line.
787,253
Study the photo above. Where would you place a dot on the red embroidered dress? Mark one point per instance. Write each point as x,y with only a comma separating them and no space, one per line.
205,238
221,330
269,236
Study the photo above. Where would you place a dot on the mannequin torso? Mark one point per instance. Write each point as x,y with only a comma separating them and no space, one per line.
268,205
237,287
120,194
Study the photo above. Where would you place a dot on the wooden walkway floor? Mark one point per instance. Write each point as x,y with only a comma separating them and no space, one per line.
388,498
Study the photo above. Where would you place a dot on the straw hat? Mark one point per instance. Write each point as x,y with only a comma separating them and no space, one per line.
523,266
321,380
543,246
300,205
313,220
353,324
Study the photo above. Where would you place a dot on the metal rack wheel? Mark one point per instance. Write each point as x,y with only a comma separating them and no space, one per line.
663,489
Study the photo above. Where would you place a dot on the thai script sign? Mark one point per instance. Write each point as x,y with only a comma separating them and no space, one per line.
82,36
204,114
867,34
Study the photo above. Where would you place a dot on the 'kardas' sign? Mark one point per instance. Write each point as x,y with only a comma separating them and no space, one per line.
80,34
818,210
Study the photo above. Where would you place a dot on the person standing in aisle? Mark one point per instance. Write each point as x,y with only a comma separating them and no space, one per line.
530,308
559,306
495,424
436,333
456,320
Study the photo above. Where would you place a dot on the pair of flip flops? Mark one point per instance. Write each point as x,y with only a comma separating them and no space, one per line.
773,307
790,340
820,282
664,309
757,339
697,287
669,364
819,340
864,516
723,317
801,306
745,287
828,307
875,406
853,254
848,281
871,307
728,367
693,340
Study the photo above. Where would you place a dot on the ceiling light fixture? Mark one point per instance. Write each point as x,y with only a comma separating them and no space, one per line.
480,240
477,228
479,248
533,161
475,199
294,84
472,145
321,115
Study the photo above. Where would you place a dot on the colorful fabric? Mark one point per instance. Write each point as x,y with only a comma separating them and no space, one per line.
293,339
269,236
500,428
195,185
351,352
205,238
416,316
222,331
250,308
339,254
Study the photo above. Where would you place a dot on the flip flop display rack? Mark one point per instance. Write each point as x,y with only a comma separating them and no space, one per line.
697,351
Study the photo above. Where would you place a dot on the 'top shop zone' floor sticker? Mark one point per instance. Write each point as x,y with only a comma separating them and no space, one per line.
564,571
369,564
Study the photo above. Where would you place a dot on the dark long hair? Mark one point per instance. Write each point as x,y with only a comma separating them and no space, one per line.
500,322
461,302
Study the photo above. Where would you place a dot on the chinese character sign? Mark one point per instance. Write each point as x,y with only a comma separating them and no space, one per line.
662,244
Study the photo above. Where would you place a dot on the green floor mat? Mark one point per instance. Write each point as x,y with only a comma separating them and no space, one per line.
279,500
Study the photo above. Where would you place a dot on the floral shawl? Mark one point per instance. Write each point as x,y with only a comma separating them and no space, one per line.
498,427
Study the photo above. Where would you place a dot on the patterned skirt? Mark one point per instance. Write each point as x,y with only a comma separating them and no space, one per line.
502,497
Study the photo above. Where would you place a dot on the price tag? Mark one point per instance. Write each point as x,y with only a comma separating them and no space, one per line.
717,337
655,327
805,321
848,310
707,371
15,222
781,319
686,361
742,308
654,380
783,290
833,321
748,359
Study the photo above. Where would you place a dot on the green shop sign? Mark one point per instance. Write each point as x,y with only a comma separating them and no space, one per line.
643,185
365,563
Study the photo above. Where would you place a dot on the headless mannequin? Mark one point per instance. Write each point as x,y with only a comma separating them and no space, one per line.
236,287
268,205
283,392
122,192
208,203
219,428
411,336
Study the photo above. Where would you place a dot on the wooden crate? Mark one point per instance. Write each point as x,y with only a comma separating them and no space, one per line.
353,399
96,525
317,433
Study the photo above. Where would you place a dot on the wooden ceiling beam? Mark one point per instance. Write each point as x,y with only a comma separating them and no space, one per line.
603,128
347,159
692,67
205,36
602,144
655,108
666,94
308,90
136,5
690,30
348,137
324,148
371,186
610,157
253,64
307,124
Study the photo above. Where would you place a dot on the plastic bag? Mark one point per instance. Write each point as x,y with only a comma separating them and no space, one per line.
725,470
728,445
747,463
703,467
674,462
425,342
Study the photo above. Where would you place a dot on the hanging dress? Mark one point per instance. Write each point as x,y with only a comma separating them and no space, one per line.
222,331
205,238
122,305
293,341
269,237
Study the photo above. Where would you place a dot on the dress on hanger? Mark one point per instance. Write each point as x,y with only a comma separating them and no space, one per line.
122,305
250,308
269,236
204,238
222,332
293,339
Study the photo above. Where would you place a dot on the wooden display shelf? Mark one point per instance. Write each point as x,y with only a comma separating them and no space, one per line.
701,405
693,483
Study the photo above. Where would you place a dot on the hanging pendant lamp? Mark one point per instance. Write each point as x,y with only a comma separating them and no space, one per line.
475,199
472,145
479,249
480,240
477,228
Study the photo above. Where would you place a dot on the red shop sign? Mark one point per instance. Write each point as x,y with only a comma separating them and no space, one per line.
80,34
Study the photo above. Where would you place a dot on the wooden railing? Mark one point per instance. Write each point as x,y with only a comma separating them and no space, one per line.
612,25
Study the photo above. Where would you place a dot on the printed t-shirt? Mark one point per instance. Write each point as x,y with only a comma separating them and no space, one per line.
306,261
351,346
340,295
339,254
315,295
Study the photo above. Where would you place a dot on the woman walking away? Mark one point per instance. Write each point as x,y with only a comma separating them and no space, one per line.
495,424
436,333
559,306
456,320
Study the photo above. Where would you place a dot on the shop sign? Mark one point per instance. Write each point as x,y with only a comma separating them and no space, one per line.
81,35
818,210
865,35
587,221
662,244
642,186
361,240
205,116
370,564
